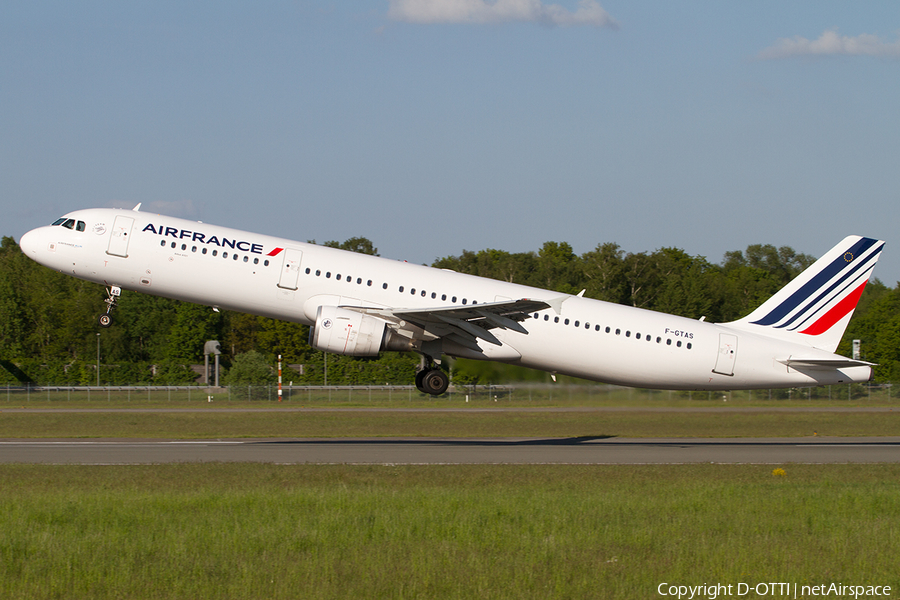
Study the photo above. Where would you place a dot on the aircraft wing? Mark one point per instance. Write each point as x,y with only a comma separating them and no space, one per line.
824,363
463,324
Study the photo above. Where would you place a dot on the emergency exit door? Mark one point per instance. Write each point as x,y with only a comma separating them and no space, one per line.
290,269
727,354
118,239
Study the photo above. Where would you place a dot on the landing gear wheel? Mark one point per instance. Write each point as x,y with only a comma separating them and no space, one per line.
434,382
112,297
419,377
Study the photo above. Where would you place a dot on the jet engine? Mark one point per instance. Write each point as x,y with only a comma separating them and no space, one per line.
341,331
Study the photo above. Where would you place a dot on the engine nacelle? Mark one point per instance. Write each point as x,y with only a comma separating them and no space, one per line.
348,332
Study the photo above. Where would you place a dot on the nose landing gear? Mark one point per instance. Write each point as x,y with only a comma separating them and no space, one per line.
112,297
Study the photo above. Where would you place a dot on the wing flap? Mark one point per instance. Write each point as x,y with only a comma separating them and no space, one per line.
463,324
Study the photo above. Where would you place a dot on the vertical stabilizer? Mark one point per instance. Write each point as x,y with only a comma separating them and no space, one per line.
816,306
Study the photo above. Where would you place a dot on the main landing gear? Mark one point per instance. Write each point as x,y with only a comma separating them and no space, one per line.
112,297
430,379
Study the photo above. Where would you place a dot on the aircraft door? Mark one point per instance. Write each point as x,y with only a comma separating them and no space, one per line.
118,239
727,354
290,269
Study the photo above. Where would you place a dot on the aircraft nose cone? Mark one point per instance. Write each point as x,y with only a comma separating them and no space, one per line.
33,243
29,242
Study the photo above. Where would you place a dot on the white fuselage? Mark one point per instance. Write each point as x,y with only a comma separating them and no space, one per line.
289,280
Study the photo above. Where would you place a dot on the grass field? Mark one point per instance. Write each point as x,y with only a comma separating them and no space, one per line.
511,422
404,396
266,531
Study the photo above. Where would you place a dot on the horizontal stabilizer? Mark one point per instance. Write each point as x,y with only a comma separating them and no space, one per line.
824,363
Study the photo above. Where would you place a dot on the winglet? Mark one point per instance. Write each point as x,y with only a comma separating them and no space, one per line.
138,207
556,303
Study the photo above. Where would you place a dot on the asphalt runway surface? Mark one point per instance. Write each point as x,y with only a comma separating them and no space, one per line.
399,451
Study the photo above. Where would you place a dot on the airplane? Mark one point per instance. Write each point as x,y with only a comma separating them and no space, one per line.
361,305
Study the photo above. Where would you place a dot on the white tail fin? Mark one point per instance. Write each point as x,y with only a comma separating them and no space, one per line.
816,306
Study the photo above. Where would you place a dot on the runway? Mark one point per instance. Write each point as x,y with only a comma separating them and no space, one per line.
399,451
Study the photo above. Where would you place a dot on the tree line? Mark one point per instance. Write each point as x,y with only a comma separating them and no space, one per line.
49,329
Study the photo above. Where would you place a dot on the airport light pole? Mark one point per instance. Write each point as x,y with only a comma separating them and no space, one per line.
98,359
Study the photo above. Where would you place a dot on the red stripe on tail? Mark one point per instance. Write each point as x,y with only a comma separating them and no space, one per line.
837,312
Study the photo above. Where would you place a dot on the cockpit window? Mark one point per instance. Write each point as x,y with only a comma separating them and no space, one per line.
70,224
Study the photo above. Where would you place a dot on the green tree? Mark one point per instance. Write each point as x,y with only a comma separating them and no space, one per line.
604,272
360,245
250,367
194,325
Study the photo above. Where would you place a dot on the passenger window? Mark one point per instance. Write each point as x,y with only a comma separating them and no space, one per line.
224,255
668,342
359,281
163,243
318,273
173,244
235,256
678,343
556,319
453,299
627,334
577,324
338,276
464,300
184,246
401,288
203,251
618,332
256,262
266,263
689,346
384,286
444,297
79,226
193,248
215,252
566,322
246,259
413,291
369,283
327,274
546,317
423,293
433,295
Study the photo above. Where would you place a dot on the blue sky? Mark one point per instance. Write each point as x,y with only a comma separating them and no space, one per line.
436,126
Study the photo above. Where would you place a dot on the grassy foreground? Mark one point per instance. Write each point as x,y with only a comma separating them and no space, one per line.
268,531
